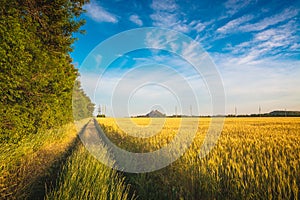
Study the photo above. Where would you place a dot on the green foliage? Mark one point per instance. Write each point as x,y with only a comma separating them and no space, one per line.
36,74
82,105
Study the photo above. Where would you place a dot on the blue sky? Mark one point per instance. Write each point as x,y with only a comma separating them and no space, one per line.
255,46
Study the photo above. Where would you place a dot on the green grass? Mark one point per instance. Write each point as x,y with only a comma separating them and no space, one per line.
24,162
84,177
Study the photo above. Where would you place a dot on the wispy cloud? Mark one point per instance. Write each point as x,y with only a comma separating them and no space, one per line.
197,25
270,83
99,14
234,6
136,19
167,5
271,43
164,19
161,40
286,14
169,20
167,14
98,59
233,25
255,46
189,49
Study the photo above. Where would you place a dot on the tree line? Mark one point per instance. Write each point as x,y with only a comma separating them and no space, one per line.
36,71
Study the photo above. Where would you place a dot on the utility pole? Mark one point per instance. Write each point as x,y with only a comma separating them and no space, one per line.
259,111
175,111
191,110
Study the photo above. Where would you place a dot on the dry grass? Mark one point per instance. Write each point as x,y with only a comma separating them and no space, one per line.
84,177
255,158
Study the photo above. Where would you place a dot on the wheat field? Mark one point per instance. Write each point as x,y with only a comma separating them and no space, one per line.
254,158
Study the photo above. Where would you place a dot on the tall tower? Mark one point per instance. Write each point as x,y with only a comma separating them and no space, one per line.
103,109
99,110
259,111
235,110
175,111
191,110
285,112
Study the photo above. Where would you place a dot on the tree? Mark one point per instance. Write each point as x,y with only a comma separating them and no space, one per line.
36,71
82,105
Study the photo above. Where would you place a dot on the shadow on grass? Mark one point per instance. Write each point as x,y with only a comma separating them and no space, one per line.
44,180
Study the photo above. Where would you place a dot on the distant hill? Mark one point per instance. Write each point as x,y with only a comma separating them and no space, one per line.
275,113
155,113
284,113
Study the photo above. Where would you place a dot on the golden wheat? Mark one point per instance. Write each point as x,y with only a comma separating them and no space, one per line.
254,158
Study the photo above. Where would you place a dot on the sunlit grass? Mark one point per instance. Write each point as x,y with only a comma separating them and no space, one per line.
23,163
255,158
84,177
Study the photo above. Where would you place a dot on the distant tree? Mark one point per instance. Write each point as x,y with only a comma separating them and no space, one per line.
82,105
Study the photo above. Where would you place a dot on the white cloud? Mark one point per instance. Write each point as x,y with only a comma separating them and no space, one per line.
286,14
99,14
181,27
163,19
167,5
268,83
233,25
98,59
234,6
166,14
162,40
190,51
273,84
240,24
265,35
197,25
295,46
169,20
271,42
136,19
